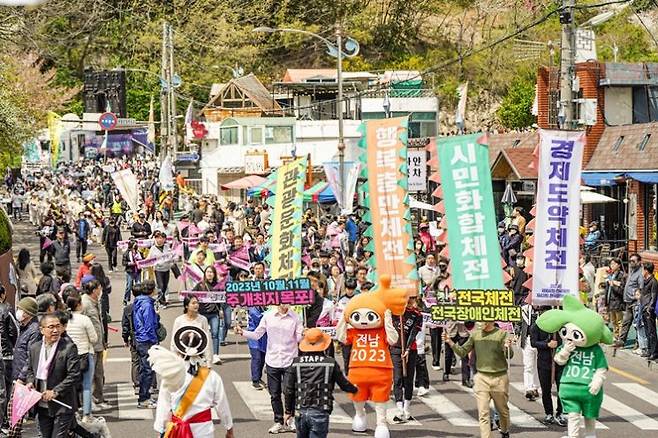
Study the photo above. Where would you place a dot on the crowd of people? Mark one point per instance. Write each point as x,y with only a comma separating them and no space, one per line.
199,243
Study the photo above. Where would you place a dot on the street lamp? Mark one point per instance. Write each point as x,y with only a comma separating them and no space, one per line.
336,50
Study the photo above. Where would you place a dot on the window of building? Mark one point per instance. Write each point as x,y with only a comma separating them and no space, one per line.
278,134
643,143
228,136
617,144
256,135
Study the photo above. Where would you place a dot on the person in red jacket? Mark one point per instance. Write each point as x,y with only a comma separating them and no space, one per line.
85,268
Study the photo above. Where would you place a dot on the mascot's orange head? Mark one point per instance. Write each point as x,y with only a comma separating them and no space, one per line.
366,311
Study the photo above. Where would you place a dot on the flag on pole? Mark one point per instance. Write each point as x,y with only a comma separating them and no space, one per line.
150,138
460,116
188,123
103,147
54,132
23,400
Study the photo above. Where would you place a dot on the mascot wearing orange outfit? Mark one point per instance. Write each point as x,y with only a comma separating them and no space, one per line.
367,325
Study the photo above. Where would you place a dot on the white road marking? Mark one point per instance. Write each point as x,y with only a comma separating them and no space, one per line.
443,406
259,404
629,414
392,411
639,391
127,409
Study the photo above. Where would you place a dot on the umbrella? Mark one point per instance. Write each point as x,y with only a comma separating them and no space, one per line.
508,201
588,197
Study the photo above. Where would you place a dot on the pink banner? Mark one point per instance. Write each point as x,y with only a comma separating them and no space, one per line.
23,400
46,243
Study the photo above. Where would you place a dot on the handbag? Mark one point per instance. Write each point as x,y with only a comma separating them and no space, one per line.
162,332
175,270
83,359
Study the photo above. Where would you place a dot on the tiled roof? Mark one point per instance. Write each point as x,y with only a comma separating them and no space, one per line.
614,153
519,160
511,140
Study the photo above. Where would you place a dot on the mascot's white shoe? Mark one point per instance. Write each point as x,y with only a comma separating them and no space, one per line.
382,432
359,423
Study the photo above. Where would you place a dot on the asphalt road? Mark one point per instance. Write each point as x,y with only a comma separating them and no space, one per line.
630,405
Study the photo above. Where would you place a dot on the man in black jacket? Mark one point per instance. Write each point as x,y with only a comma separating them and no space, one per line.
141,229
56,378
61,251
648,297
548,371
111,238
309,385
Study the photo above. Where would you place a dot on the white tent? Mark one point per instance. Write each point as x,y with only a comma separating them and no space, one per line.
591,197
414,203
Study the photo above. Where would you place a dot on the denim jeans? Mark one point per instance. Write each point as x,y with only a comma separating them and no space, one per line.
145,371
87,378
275,378
312,423
213,320
257,364
226,322
130,280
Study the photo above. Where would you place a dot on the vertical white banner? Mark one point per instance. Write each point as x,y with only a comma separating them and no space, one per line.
345,199
557,242
126,183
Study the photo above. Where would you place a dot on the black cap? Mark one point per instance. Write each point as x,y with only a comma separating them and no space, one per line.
350,283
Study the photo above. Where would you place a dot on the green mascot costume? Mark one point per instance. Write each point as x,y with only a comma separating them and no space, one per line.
584,363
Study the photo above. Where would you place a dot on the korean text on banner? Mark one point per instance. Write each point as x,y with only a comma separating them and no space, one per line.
286,228
387,189
417,164
54,132
469,205
479,305
557,241
127,185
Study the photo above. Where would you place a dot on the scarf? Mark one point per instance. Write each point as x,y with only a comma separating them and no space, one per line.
44,362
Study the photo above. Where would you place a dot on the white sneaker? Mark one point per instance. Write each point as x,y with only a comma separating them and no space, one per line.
423,391
436,367
216,359
291,425
278,428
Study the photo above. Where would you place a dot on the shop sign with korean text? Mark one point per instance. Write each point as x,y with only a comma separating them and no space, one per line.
557,239
468,197
417,165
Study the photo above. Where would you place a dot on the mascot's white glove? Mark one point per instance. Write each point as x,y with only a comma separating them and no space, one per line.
597,381
391,334
341,330
562,357
169,366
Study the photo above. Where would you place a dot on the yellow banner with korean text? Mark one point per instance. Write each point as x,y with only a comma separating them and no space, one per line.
286,228
387,198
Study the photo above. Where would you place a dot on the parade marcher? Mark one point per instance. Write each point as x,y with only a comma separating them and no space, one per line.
145,322
192,317
190,391
128,336
404,359
82,233
350,290
133,273
110,239
53,369
422,381
429,271
530,373
84,269
549,372
585,365
61,252
91,308
314,368
458,333
492,349
162,267
284,331
210,311
141,229
26,315
82,332
257,348
27,273
648,299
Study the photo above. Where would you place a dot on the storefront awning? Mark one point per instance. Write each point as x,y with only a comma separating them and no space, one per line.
598,179
644,177
246,182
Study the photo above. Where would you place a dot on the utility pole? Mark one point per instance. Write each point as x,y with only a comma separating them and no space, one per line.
173,135
567,65
341,139
164,107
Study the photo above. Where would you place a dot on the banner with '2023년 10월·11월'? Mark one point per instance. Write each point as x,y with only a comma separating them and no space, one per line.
286,228
557,241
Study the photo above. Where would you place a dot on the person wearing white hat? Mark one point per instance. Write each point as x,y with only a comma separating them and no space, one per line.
190,391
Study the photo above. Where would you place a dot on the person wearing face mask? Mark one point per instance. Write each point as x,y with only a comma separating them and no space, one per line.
502,235
26,315
519,277
512,247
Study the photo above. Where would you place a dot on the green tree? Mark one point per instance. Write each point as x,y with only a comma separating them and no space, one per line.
516,108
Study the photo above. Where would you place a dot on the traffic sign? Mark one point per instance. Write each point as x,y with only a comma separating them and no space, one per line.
108,121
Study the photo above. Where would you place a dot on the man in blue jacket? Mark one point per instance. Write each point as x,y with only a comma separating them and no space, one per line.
82,229
145,321
257,348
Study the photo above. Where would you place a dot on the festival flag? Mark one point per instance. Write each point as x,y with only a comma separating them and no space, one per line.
286,229
384,165
54,132
166,175
46,243
469,211
557,241
103,147
188,122
345,198
22,401
460,115
127,185
150,138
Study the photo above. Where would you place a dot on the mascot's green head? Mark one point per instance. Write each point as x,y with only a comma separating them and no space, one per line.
576,323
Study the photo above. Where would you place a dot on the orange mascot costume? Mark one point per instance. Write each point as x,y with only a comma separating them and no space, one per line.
367,325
